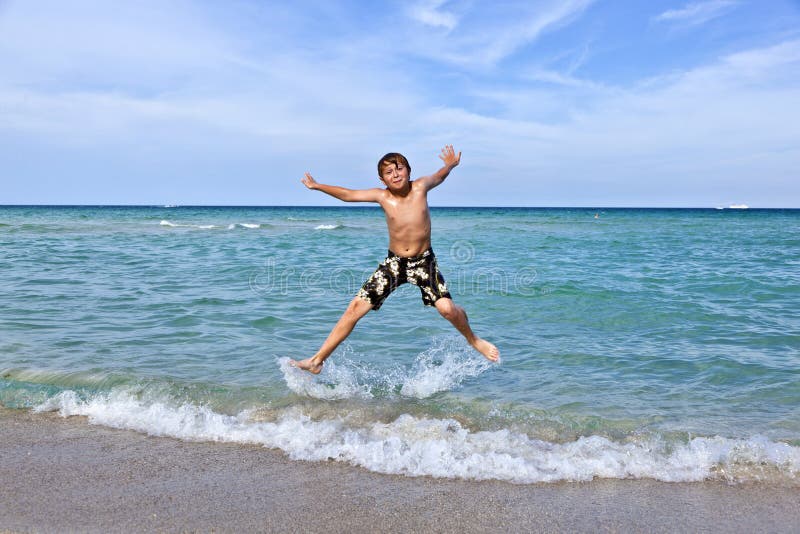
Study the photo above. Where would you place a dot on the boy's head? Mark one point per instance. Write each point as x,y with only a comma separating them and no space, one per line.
393,158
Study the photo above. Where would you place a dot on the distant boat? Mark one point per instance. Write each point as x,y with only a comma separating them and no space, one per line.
738,206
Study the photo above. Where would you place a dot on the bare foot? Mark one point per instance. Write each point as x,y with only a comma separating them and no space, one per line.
488,350
308,365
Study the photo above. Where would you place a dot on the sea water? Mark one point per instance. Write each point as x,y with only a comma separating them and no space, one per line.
635,343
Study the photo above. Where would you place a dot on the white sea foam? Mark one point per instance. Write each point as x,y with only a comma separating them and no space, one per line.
443,447
231,226
326,227
175,225
442,367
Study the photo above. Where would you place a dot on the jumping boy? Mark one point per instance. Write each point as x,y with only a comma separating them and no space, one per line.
410,259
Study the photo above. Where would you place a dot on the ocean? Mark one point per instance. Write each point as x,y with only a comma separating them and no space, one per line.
635,343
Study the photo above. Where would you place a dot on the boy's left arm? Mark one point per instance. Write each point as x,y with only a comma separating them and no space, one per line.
451,161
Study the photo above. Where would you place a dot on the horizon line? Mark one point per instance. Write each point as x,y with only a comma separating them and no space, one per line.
368,205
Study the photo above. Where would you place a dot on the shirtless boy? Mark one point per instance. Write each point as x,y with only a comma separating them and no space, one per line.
410,259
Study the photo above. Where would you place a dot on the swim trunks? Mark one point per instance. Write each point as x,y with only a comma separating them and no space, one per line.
395,270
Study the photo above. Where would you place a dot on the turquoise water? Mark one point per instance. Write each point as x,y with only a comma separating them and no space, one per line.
642,343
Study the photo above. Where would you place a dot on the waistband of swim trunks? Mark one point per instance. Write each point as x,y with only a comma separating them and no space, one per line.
425,254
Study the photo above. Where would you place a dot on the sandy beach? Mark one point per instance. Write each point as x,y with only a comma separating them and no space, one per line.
67,475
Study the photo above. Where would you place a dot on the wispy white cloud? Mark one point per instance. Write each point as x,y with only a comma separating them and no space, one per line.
558,78
489,33
429,12
531,28
699,134
696,13
85,42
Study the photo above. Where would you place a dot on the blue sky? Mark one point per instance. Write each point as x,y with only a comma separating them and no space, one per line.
553,103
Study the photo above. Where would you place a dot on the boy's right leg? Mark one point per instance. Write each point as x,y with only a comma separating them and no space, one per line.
357,309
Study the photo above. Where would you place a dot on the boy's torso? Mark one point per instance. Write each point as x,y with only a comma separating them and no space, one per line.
408,220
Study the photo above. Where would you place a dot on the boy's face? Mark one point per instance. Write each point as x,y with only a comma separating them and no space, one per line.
395,176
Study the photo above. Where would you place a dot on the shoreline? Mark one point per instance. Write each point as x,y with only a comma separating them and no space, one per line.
64,474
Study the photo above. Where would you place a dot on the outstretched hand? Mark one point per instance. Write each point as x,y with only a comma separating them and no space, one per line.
449,157
309,181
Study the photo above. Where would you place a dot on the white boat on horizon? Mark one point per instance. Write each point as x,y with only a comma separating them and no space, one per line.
738,207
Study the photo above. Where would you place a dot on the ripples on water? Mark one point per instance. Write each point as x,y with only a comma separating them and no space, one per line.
644,343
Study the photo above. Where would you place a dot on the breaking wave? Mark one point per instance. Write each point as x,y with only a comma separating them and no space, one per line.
419,446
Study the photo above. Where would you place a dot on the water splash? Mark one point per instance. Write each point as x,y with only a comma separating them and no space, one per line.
442,367
336,381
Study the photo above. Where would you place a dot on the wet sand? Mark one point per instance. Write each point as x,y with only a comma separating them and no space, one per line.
61,475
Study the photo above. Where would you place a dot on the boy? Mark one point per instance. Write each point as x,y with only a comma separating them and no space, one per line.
410,259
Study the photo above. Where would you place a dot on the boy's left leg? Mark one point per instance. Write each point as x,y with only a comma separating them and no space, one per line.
458,318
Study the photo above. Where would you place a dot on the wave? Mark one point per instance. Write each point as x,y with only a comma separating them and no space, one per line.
231,226
445,365
422,446
319,225
175,225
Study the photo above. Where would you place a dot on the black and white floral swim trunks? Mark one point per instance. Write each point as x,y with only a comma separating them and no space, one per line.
395,270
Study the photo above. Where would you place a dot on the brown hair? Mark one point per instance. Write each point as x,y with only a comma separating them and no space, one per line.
393,157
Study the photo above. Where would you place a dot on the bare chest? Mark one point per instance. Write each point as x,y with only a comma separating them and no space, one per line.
411,211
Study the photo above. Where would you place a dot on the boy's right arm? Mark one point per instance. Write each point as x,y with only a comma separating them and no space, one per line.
342,193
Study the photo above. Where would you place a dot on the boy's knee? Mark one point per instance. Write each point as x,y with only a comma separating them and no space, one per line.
447,309
358,308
